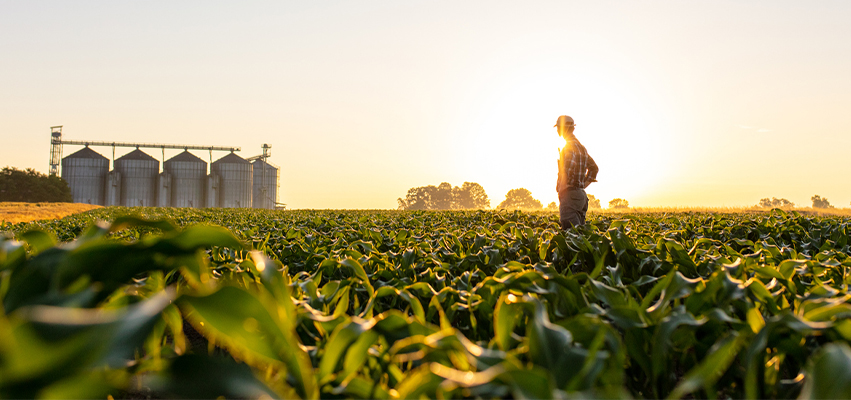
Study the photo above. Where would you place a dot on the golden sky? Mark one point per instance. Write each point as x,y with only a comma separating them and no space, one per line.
697,103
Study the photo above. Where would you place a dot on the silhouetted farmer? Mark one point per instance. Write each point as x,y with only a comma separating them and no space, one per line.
576,170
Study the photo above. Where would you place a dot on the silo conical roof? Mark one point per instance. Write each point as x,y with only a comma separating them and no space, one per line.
86,152
260,161
136,155
186,156
231,159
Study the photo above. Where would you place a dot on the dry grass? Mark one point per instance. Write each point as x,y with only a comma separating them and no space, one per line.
26,212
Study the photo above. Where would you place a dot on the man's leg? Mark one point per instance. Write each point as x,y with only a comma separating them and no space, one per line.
584,211
564,210
571,204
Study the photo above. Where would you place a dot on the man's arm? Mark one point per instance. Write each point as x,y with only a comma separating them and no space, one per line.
558,179
591,172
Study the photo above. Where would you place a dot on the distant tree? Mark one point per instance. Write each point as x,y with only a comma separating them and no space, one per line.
470,196
552,206
820,202
775,203
32,187
618,203
445,197
520,198
593,202
418,198
442,197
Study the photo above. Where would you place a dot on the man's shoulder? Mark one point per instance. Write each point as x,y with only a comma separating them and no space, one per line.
574,144
572,139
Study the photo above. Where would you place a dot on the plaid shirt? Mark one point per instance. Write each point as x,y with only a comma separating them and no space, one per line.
576,169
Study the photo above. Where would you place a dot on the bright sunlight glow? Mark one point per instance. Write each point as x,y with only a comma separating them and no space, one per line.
518,145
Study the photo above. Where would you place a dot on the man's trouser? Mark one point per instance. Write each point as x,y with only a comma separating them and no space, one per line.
572,207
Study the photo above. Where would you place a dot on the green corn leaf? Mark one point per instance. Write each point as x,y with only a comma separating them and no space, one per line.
828,373
199,376
722,354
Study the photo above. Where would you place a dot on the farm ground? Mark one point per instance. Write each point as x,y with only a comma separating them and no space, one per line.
14,212
406,304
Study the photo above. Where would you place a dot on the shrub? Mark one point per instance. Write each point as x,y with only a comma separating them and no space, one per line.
32,187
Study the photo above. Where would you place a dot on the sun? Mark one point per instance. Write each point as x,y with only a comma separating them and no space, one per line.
517,145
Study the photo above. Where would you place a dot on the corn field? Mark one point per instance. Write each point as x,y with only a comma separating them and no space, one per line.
398,304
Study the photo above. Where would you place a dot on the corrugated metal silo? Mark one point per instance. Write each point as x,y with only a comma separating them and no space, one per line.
113,189
138,179
265,185
85,171
188,178
235,181
164,187
213,183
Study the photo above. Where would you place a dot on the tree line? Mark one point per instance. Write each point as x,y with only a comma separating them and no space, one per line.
472,196
469,196
32,187
818,202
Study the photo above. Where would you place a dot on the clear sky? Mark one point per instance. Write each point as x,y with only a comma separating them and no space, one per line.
681,103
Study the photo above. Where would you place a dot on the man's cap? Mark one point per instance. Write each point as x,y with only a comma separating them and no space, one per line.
566,119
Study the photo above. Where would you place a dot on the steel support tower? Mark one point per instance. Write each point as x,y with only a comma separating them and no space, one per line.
55,149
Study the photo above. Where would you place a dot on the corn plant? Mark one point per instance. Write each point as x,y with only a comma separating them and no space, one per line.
398,304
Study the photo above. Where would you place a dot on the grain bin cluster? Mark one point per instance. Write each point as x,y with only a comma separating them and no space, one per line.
137,181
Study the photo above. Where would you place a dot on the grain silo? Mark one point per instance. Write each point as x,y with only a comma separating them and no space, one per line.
135,178
188,178
265,185
212,194
234,173
164,187
113,189
139,173
85,171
